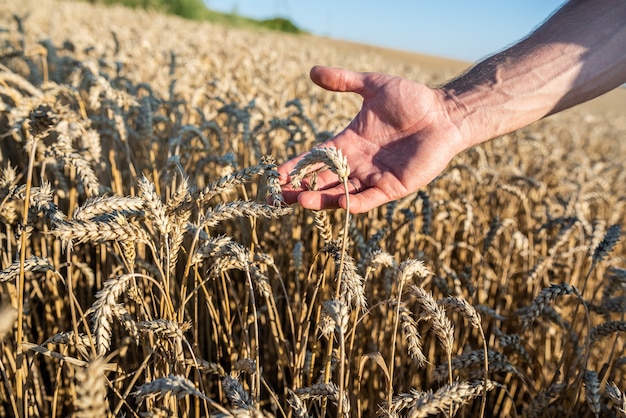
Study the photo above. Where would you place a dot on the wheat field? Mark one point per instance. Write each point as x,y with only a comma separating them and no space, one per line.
148,268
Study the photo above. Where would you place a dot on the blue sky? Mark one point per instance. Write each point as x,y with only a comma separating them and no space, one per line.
461,29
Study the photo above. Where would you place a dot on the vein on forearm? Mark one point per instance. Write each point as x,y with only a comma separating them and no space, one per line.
575,56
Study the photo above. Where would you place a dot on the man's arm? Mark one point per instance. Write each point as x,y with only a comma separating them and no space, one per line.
576,55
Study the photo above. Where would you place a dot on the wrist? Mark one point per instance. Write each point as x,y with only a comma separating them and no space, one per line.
457,114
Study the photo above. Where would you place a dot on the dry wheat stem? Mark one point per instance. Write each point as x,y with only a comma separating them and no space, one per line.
8,317
256,389
19,337
405,271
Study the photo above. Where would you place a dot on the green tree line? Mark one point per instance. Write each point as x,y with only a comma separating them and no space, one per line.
195,9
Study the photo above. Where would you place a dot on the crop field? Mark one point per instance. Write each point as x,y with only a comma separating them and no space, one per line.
148,268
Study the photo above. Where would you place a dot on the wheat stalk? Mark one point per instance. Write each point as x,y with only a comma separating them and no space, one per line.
102,311
99,206
409,329
164,328
603,330
236,209
101,229
297,405
448,398
236,394
326,156
8,317
323,391
441,324
31,264
545,298
592,391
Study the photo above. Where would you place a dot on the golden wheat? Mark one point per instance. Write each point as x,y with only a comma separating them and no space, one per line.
149,266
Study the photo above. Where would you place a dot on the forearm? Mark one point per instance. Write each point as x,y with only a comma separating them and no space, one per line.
576,55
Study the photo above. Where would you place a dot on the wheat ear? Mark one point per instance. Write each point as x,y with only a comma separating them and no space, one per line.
441,324
447,399
175,385
91,391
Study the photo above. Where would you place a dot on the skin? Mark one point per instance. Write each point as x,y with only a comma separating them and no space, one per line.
406,133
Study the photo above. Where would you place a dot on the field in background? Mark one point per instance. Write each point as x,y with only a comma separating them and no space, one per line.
197,10
143,273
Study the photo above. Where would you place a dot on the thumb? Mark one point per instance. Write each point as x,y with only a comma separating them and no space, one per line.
364,201
338,79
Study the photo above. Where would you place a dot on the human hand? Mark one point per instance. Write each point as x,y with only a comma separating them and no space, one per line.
400,140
